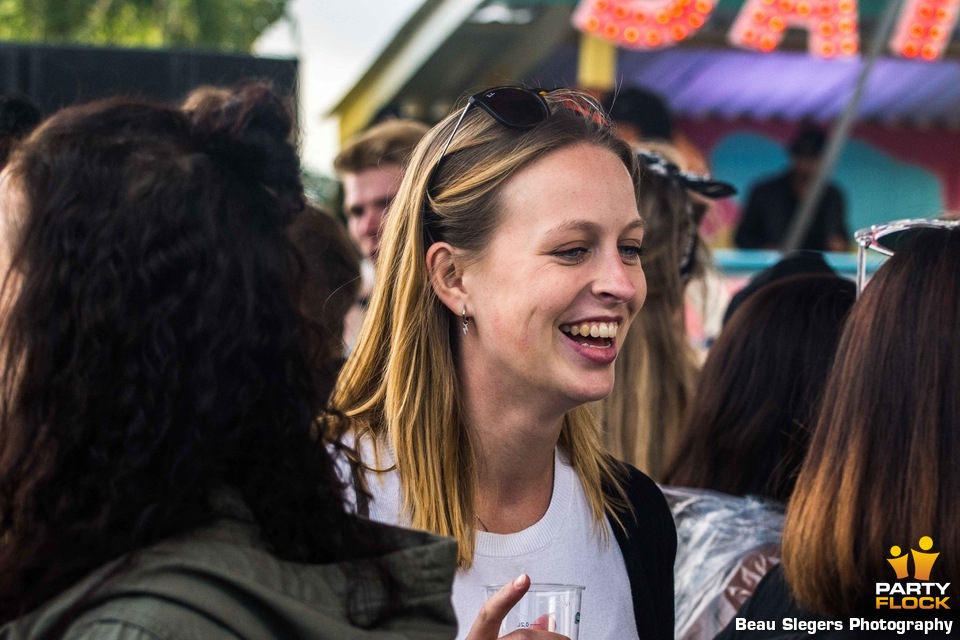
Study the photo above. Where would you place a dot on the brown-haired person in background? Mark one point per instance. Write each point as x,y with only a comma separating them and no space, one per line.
331,270
881,471
744,440
371,167
656,369
509,273
162,469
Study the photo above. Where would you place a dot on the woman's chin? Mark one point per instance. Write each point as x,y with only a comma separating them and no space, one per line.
591,393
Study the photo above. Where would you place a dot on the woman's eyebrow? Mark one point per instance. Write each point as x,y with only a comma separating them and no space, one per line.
590,226
575,225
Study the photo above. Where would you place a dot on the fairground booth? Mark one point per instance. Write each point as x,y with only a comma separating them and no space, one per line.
882,77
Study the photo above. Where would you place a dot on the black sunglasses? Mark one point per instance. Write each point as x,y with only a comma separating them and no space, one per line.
703,185
513,107
706,186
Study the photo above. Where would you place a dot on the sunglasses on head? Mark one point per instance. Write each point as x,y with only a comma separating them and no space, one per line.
703,185
888,237
513,107
706,186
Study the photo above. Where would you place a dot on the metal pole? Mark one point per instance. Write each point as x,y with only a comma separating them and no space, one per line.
862,246
841,131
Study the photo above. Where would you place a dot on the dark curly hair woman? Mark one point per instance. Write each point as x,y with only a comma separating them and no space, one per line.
162,471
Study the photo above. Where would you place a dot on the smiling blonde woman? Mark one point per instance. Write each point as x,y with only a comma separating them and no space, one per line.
510,271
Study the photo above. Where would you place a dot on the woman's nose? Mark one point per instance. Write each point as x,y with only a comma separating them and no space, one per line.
623,282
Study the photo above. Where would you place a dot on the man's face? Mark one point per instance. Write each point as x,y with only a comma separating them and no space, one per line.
804,169
367,194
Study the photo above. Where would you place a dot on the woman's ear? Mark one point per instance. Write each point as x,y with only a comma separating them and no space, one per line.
446,276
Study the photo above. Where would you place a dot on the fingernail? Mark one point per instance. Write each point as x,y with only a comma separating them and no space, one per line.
518,582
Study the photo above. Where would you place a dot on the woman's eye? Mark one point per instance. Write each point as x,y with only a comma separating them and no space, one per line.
574,254
631,252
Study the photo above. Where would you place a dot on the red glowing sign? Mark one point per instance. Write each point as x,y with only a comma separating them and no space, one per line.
923,31
832,25
642,24
924,28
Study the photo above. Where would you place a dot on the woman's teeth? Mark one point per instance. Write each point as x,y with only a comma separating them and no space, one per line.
592,329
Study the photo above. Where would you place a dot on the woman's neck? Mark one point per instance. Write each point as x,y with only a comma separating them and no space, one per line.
514,445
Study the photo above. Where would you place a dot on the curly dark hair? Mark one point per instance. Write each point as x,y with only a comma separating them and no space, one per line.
152,348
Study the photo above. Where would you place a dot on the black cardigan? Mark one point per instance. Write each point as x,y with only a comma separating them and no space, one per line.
649,548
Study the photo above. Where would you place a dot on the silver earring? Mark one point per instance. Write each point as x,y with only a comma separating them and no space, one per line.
465,321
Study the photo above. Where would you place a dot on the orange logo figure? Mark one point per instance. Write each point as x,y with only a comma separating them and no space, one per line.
921,594
898,562
922,562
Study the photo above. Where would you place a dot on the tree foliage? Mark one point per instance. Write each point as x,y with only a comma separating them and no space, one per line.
230,25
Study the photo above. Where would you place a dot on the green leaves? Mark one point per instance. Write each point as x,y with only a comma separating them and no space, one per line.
226,25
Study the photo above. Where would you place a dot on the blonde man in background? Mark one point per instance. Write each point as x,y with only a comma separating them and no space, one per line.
371,167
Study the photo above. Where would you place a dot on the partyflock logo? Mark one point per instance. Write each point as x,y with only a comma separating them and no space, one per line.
921,592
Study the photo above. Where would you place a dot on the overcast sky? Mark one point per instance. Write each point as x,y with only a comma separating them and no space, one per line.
335,40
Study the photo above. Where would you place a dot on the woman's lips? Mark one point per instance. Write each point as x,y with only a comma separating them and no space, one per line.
595,349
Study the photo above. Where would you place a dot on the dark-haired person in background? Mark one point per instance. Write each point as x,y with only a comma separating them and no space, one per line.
643,116
881,473
773,203
640,114
745,437
162,469
331,285
793,264
18,117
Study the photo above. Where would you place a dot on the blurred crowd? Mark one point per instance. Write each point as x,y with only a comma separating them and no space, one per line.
228,412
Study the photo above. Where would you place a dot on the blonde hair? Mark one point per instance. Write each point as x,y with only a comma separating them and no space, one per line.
400,383
389,142
656,369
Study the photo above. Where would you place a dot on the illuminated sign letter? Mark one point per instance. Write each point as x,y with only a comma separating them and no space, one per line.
832,25
642,24
924,28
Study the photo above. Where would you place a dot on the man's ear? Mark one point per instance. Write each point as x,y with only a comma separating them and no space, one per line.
446,276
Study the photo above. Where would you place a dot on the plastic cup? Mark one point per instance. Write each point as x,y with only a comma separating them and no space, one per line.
559,602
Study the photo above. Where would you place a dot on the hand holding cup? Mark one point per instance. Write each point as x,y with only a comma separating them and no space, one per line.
496,608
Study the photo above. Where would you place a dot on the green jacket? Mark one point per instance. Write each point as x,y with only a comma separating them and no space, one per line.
220,583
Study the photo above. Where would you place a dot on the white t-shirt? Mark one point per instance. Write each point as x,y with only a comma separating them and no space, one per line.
563,547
